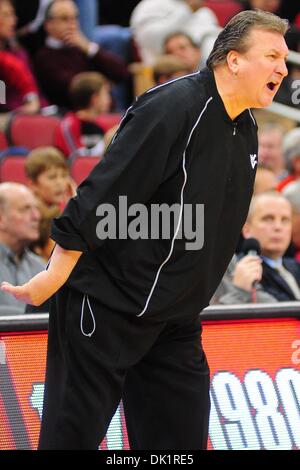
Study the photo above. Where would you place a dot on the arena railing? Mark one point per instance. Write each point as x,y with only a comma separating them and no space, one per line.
39,321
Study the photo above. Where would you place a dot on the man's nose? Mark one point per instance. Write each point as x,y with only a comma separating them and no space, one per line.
278,224
282,69
35,214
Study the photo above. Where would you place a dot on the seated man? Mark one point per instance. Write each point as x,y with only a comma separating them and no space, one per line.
270,223
68,52
19,227
182,46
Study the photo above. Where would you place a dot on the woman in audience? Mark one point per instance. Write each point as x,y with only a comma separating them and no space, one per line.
21,87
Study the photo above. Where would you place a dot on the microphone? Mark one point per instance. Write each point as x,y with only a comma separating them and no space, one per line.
251,246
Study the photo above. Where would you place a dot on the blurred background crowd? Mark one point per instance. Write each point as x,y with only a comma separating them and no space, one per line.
71,69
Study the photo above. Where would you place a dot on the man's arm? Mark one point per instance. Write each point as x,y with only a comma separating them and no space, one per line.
42,286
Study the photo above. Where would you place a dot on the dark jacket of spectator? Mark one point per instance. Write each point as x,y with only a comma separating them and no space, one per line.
55,68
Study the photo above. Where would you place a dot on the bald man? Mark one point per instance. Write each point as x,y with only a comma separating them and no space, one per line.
19,227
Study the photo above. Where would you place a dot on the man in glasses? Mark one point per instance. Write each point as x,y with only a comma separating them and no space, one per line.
68,52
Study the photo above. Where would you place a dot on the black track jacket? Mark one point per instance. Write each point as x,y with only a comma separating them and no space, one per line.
176,144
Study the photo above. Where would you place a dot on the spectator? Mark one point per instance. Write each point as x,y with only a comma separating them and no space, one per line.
49,177
236,286
9,44
168,67
182,46
273,6
79,131
153,20
270,222
270,149
21,90
292,193
291,151
265,180
68,52
19,227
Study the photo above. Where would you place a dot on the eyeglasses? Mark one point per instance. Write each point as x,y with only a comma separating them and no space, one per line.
64,18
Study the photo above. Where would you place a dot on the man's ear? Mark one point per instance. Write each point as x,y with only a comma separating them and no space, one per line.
2,220
233,61
93,99
246,230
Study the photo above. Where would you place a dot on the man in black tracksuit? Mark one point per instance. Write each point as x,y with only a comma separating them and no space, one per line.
126,323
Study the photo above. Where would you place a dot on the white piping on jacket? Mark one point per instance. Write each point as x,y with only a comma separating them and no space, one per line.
180,214
92,315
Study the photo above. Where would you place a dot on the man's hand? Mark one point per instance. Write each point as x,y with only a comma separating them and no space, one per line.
247,271
32,107
42,286
77,39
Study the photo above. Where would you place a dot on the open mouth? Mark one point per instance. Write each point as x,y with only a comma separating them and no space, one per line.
271,85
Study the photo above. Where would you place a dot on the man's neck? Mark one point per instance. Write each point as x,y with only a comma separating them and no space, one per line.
14,246
229,91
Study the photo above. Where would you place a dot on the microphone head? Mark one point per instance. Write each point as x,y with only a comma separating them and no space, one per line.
251,246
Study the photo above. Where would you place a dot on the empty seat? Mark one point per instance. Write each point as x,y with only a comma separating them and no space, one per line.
82,166
32,131
3,141
12,168
224,10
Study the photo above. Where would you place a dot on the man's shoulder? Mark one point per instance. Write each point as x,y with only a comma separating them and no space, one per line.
181,95
291,264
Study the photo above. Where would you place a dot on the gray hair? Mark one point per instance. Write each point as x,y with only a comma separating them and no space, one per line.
235,35
291,147
292,193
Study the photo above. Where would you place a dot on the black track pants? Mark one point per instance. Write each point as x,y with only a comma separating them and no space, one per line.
158,368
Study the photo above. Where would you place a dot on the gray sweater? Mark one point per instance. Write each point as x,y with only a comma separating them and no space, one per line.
17,272
227,293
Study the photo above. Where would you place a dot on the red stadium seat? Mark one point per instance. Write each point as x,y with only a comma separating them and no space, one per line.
3,141
224,10
107,121
12,168
82,166
32,131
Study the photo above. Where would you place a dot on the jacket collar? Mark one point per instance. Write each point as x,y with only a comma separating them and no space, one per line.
211,87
